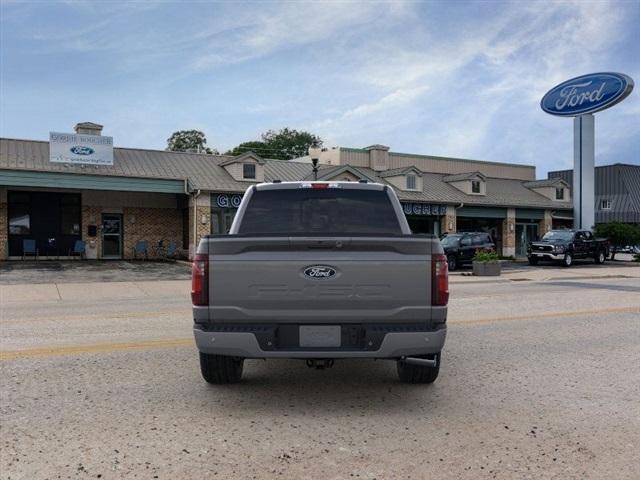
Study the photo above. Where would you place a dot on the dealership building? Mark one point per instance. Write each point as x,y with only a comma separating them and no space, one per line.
112,198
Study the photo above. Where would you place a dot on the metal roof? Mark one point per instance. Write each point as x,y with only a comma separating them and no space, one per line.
547,182
205,172
463,176
392,172
620,184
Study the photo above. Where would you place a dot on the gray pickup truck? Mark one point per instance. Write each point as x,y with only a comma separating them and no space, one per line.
320,271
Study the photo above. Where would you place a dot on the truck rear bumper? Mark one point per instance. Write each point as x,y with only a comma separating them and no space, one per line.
245,345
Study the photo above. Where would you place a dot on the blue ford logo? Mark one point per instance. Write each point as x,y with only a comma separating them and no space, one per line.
79,150
319,271
587,94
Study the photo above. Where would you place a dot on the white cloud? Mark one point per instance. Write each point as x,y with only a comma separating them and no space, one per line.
484,81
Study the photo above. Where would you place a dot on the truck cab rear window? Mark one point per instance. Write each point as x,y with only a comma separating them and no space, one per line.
330,211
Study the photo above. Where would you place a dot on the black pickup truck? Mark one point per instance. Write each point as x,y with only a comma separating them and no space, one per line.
565,246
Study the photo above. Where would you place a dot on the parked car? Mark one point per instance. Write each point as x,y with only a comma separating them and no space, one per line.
461,247
565,246
320,271
628,249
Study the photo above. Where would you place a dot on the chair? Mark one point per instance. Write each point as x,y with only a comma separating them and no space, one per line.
29,248
79,248
142,249
172,249
160,249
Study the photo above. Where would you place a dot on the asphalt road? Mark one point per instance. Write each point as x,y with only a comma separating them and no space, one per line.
539,380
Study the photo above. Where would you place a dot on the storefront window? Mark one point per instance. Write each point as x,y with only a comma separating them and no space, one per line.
221,220
19,220
223,210
52,219
19,217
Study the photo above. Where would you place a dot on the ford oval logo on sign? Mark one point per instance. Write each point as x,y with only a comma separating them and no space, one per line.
79,150
587,94
319,271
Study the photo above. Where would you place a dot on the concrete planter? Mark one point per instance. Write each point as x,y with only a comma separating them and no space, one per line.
486,269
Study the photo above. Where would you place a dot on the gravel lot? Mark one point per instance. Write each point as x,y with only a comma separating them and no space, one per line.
540,380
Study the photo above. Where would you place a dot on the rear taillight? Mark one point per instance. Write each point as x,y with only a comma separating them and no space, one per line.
200,280
439,280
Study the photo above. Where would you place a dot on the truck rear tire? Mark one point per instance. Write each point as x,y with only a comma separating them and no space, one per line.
452,263
221,369
417,373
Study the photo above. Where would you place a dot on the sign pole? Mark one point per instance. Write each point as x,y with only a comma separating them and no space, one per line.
583,172
579,98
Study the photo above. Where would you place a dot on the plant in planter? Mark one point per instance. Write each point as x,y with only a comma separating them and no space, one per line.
486,264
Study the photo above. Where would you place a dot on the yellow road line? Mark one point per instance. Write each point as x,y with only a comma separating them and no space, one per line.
542,316
186,342
97,348
105,316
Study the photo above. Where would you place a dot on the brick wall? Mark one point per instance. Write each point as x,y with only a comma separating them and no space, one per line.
449,220
545,224
152,225
509,233
92,216
202,229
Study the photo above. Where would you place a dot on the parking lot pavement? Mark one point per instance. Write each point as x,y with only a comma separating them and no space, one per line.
539,380
88,271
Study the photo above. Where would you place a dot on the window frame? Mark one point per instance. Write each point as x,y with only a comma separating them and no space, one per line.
560,193
473,184
244,171
607,202
414,179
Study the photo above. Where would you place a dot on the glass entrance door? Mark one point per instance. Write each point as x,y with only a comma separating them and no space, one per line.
111,235
525,233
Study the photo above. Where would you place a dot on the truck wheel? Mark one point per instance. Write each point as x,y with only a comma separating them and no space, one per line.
568,260
221,369
600,257
417,373
533,261
452,263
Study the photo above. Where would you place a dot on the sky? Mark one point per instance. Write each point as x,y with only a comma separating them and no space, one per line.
452,78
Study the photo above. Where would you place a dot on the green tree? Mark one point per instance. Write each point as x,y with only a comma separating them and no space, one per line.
257,147
619,234
188,141
283,144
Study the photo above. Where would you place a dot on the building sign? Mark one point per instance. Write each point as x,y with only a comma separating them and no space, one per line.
424,209
587,94
228,201
579,98
80,149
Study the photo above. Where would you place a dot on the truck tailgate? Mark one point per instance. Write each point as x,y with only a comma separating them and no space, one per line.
374,279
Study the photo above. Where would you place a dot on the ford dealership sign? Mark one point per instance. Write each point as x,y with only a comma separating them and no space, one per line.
587,94
75,148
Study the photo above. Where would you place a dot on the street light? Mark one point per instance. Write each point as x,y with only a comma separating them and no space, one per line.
314,153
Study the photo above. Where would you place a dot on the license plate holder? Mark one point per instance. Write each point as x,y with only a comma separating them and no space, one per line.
320,336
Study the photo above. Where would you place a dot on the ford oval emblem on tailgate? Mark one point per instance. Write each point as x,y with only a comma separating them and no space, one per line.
319,271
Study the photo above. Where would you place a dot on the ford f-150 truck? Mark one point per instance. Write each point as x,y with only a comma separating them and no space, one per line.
566,245
320,271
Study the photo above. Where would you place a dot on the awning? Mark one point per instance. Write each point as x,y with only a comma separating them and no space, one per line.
30,178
